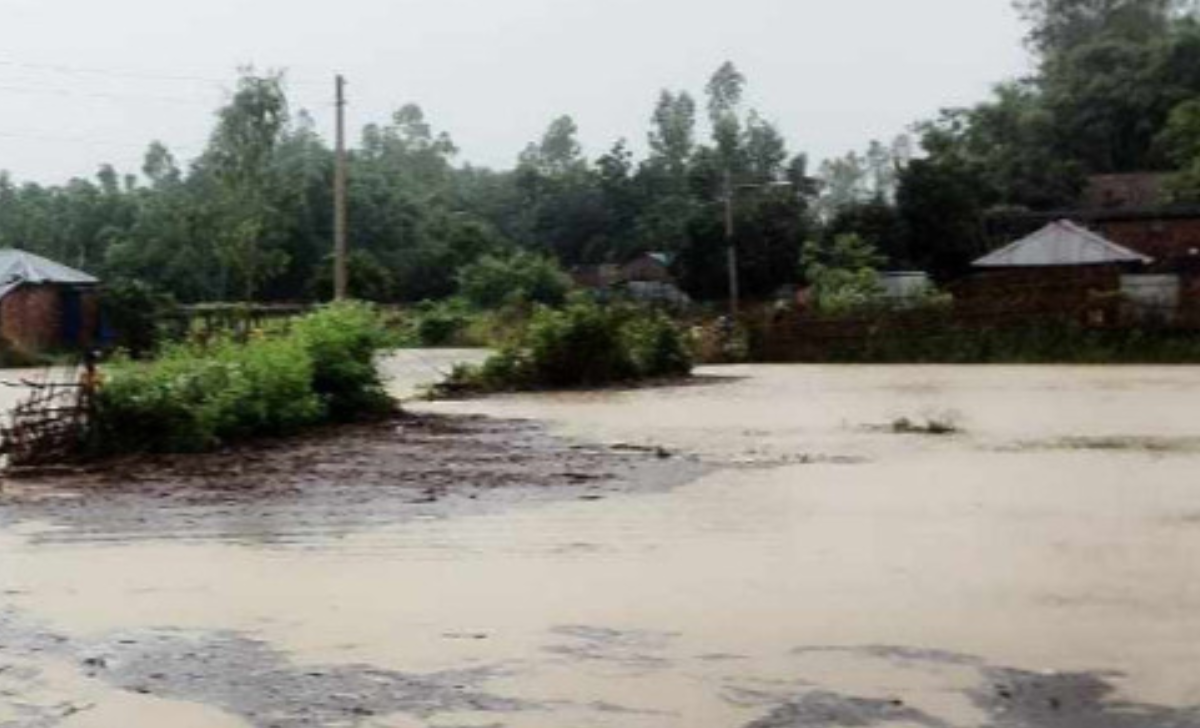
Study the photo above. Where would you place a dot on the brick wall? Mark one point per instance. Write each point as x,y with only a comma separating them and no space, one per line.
1164,240
647,269
31,318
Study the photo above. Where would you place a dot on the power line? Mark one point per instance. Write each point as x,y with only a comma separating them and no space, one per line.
134,75
103,95
55,139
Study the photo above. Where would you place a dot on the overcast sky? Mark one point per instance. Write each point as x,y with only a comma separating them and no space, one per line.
833,74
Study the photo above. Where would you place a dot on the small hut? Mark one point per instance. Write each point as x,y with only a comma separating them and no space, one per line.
1061,244
1064,269
46,306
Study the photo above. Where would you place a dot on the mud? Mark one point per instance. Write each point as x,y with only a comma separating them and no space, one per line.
332,482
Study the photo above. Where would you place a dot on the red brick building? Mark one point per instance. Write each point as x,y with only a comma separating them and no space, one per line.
46,306
1131,210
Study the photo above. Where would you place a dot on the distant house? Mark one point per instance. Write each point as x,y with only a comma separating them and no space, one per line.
648,268
1130,210
1061,244
1133,213
45,305
647,277
1067,268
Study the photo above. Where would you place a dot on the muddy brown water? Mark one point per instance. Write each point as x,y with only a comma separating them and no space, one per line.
758,548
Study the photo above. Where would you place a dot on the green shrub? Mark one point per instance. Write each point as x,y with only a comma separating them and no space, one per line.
657,347
440,324
454,322
579,346
263,389
198,396
842,273
582,345
342,340
139,315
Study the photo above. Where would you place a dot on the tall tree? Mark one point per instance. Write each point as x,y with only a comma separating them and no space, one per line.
673,133
1058,27
725,90
240,159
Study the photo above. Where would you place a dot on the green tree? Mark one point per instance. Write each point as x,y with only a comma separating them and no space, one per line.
491,281
842,273
240,159
1058,27
725,90
673,134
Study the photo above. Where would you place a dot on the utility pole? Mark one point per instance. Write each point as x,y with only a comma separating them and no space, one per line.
731,247
340,275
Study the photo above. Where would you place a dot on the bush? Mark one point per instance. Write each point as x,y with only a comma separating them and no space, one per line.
842,274
196,397
138,314
454,322
657,347
582,345
342,341
492,281
439,324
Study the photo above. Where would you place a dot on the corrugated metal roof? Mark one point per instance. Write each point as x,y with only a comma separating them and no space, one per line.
18,267
1060,243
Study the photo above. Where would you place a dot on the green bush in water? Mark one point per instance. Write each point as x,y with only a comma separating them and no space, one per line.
342,341
657,346
440,324
582,345
196,397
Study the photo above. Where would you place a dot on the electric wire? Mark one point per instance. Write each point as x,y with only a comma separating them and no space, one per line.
137,75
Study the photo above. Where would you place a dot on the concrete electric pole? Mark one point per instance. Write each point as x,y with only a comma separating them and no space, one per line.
731,245
340,274
731,248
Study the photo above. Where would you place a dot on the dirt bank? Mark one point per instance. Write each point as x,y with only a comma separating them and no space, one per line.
335,480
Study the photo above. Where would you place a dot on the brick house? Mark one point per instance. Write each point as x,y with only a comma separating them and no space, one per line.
1133,213
647,277
1131,210
46,306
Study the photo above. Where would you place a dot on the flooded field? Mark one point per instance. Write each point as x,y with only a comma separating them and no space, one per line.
764,547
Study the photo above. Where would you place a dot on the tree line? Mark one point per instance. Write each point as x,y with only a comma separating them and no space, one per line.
251,217
1116,89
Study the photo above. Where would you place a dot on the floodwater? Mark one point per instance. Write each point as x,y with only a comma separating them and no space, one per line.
1036,566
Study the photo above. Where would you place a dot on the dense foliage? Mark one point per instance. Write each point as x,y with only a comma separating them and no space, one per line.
843,275
195,396
582,344
250,218
1116,88
493,281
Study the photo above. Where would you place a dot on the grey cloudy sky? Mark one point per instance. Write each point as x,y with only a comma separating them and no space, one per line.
831,73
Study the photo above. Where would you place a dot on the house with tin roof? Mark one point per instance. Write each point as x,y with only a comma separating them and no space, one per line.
45,305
